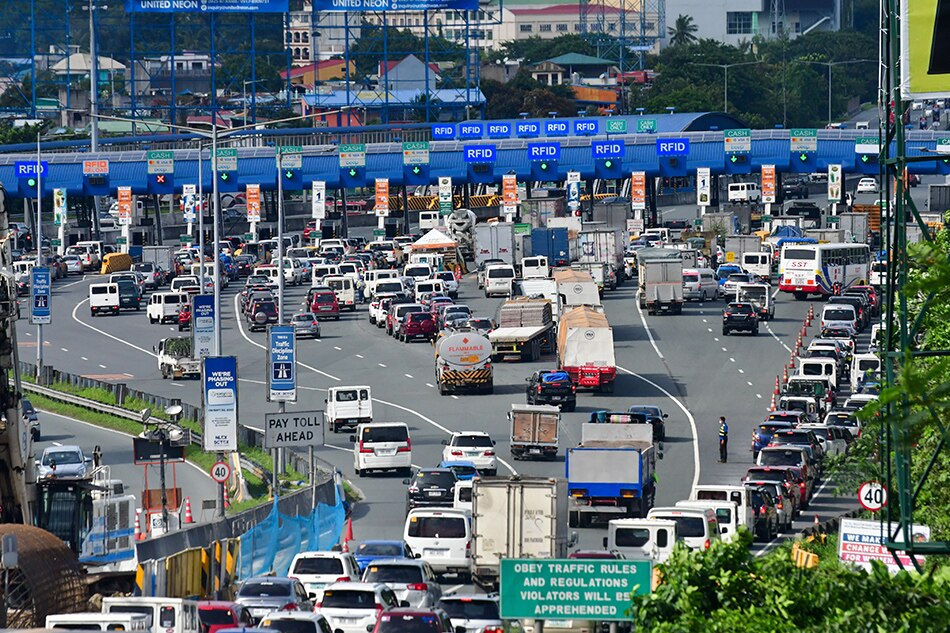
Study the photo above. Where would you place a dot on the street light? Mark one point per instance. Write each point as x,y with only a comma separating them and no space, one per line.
725,82
830,65
163,432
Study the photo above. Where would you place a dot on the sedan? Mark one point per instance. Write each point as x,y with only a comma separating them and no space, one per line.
73,264
63,462
866,185
265,594
474,612
305,325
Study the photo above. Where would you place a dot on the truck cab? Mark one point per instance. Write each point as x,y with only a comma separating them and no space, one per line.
536,266
652,539
739,495
348,407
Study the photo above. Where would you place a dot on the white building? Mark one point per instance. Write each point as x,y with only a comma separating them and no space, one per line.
734,21
319,36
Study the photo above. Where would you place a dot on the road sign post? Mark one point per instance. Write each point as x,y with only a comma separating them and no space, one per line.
220,400
445,195
220,472
41,306
293,429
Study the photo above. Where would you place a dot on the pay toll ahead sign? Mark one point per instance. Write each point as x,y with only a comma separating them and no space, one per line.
571,589
290,430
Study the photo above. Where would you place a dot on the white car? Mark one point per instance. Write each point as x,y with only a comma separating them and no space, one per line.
352,606
63,462
442,537
866,185
316,570
472,446
382,446
412,580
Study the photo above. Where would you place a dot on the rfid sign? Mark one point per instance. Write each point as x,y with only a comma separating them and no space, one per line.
470,130
499,130
443,132
672,146
282,363
27,169
585,127
555,128
607,149
480,154
544,151
528,129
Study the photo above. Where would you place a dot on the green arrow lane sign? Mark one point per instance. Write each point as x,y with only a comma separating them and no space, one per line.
616,126
352,172
733,159
415,153
416,169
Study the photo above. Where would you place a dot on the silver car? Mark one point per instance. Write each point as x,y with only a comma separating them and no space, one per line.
266,594
63,462
475,613
411,580
305,325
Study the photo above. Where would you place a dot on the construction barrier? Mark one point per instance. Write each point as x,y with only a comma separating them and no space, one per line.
185,577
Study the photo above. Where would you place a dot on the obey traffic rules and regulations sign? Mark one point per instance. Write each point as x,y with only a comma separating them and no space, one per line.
560,589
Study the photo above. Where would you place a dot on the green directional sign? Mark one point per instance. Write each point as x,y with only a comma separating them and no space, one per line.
803,140
184,239
618,126
379,232
833,219
291,157
248,237
160,162
352,155
646,125
766,218
121,240
571,589
56,242
416,153
226,159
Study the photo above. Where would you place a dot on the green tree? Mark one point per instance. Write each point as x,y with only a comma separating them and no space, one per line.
524,94
532,50
682,31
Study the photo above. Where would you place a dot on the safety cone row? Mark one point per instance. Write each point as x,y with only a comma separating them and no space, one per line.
348,536
189,517
137,533
772,405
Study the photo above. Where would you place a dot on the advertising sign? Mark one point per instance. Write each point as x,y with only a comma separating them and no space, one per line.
282,364
737,141
768,183
95,167
574,190
393,5
220,399
925,49
189,201
834,183
415,153
703,187
124,196
202,325
318,200
599,589
290,430
382,197
41,307
943,145
638,190
509,193
253,203
59,207
352,155
803,140
160,162
445,195
860,542
207,6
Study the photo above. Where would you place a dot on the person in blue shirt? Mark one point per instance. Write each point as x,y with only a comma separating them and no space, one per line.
723,440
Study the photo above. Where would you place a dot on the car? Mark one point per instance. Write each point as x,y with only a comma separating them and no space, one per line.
766,520
480,271
30,419
656,418
306,325
866,185
403,620
371,550
63,462
482,325
130,296
474,612
833,439
430,487
184,318
418,325
732,282
261,314
788,455
73,264
381,446
351,607
453,312
154,276
464,471
795,188
762,434
412,580
782,476
595,554
723,272
844,419
296,622
475,447
449,281
553,387
316,570
215,615
797,437
397,313
740,317
784,502
262,595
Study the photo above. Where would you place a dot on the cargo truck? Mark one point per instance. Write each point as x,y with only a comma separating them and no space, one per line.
603,276
534,430
552,243
660,279
610,475
760,296
176,359
495,240
577,288
520,517
525,330
603,246
463,363
736,245
855,227
537,287
586,349
827,236
163,256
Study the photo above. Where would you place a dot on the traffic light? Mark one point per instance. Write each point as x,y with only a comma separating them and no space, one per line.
943,165
27,187
227,181
415,174
353,176
544,170
161,183
608,168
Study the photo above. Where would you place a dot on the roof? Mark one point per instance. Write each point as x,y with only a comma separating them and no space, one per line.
434,239
79,62
300,71
378,97
387,66
569,275
561,9
576,59
583,316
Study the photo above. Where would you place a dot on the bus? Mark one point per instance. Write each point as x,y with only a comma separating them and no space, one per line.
823,269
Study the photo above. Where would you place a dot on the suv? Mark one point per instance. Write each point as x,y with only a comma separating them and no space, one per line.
474,612
795,188
412,580
316,570
472,446
655,417
430,487
552,387
762,434
414,621
351,607
740,317
765,522
418,325
324,304
261,314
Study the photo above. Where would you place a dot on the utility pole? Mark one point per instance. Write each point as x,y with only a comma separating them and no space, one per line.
39,254
94,105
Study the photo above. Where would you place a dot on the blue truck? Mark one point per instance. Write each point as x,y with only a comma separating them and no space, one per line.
553,244
610,475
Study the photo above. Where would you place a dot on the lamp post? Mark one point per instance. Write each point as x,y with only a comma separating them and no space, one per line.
162,432
831,65
725,82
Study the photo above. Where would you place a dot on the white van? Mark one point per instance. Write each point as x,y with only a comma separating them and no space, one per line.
498,280
429,220
637,539
345,290
186,284
211,272
347,407
744,192
99,622
352,270
443,537
700,284
371,276
317,273
382,446
429,286
418,272
164,306
727,514
535,266
840,315
385,286
90,251
436,261
740,495
819,367
861,363
696,527
164,615
293,271
103,298
758,264
656,233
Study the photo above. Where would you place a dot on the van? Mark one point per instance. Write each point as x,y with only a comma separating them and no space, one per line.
819,368
429,287
164,306
744,192
700,284
441,537
382,446
727,514
345,290
371,276
840,315
429,220
418,272
317,273
739,495
163,615
536,266
656,233
293,271
187,284
94,251
436,261
211,272
98,622
498,280
385,287
758,264
637,539
861,363
348,407
353,270
696,527
103,298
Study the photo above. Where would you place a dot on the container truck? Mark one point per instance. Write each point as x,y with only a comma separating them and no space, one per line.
603,275
586,349
577,288
495,240
660,280
525,330
552,243
829,236
163,256
520,517
534,430
736,245
610,474
603,246
463,363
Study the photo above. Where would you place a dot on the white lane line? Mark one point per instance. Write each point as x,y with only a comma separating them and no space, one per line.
408,375
741,371
129,375
69,285
339,349
647,329
83,357
63,349
29,333
725,350
731,360
106,334
689,417
430,385
705,321
381,365
748,382
452,589
56,444
709,329
455,396
175,384
102,366
759,396
780,341
360,356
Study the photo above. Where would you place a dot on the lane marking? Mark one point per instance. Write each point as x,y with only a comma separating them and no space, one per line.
742,371
455,396
106,334
83,357
725,350
339,349
56,444
430,385
69,285
647,329
731,360
408,375
360,356
381,365
709,329
759,396
748,382
716,338
705,321
63,349
780,341
102,366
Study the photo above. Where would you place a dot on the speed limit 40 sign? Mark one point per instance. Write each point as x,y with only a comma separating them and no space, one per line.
872,496
220,472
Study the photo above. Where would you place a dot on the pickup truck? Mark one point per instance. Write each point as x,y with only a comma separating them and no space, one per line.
551,387
175,358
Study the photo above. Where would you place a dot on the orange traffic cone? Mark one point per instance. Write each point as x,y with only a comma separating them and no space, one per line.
772,405
784,375
227,499
137,533
811,311
817,522
189,517
348,536
776,386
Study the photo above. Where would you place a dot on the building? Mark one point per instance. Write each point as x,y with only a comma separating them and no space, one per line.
409,73
734,21
318,72
72,79
576,69
319,35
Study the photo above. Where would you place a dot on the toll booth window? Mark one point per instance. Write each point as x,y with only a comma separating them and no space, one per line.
166,617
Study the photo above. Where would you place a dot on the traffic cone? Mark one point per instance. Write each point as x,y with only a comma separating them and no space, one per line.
776,386
227,499
817,522
189,517
811,311
137,533
348,536
772,405
784,375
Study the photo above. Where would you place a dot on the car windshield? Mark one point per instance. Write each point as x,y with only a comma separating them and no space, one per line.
303,318
437,527
799,253
501,273
471,609
463,470
398,574
480,323
780,458
267,307
838,315
769,429
380,549
435,479
473,441
256,589
420,317
385,434
408,623
760,474
61,457
690,278
348,599
216,616
319,565
687,526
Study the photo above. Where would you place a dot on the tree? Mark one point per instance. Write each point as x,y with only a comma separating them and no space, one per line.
524,94
682,30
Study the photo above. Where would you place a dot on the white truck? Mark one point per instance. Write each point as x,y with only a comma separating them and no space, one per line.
660,280
524,517
605,246
759,295
736,245
348,407
495,240
176,359
577,288
641,539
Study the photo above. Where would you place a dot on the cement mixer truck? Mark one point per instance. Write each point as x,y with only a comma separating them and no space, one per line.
463,363
461,225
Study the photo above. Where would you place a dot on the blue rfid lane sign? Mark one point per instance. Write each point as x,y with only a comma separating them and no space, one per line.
585,127
470,130
607,149
556,127
41,307
27,169
527,129
443,132
672,147
498,130
544,151
480,154
282,362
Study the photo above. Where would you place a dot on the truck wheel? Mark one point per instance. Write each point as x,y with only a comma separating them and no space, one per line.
442,390
164,372
489,389
607,387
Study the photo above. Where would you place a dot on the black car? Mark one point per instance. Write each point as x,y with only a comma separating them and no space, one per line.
765,513
552,387
129,296
430,487
243,264
261,314
655,417
795,188
741,317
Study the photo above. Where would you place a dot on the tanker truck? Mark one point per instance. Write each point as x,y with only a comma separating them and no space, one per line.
463,362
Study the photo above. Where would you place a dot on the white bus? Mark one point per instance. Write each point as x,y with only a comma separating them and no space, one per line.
822,268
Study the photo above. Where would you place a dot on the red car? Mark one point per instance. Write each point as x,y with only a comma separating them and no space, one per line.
184,319
219,614
418,325
325,305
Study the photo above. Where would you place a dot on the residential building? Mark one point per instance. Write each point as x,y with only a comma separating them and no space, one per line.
319,35
409,73
318,72
734,21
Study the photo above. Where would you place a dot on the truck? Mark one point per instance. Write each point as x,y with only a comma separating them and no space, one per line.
517,517
176,359
525,330
539,287
660,280
938,198
552,243
603,246
463,362
760,296
163,256
495,240
854,226
736,245
603,275
585,349
461,226
534,430
577,288
873,213
610,474
830,236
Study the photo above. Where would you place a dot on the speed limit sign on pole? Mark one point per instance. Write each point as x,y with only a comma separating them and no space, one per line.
220,472
872,496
